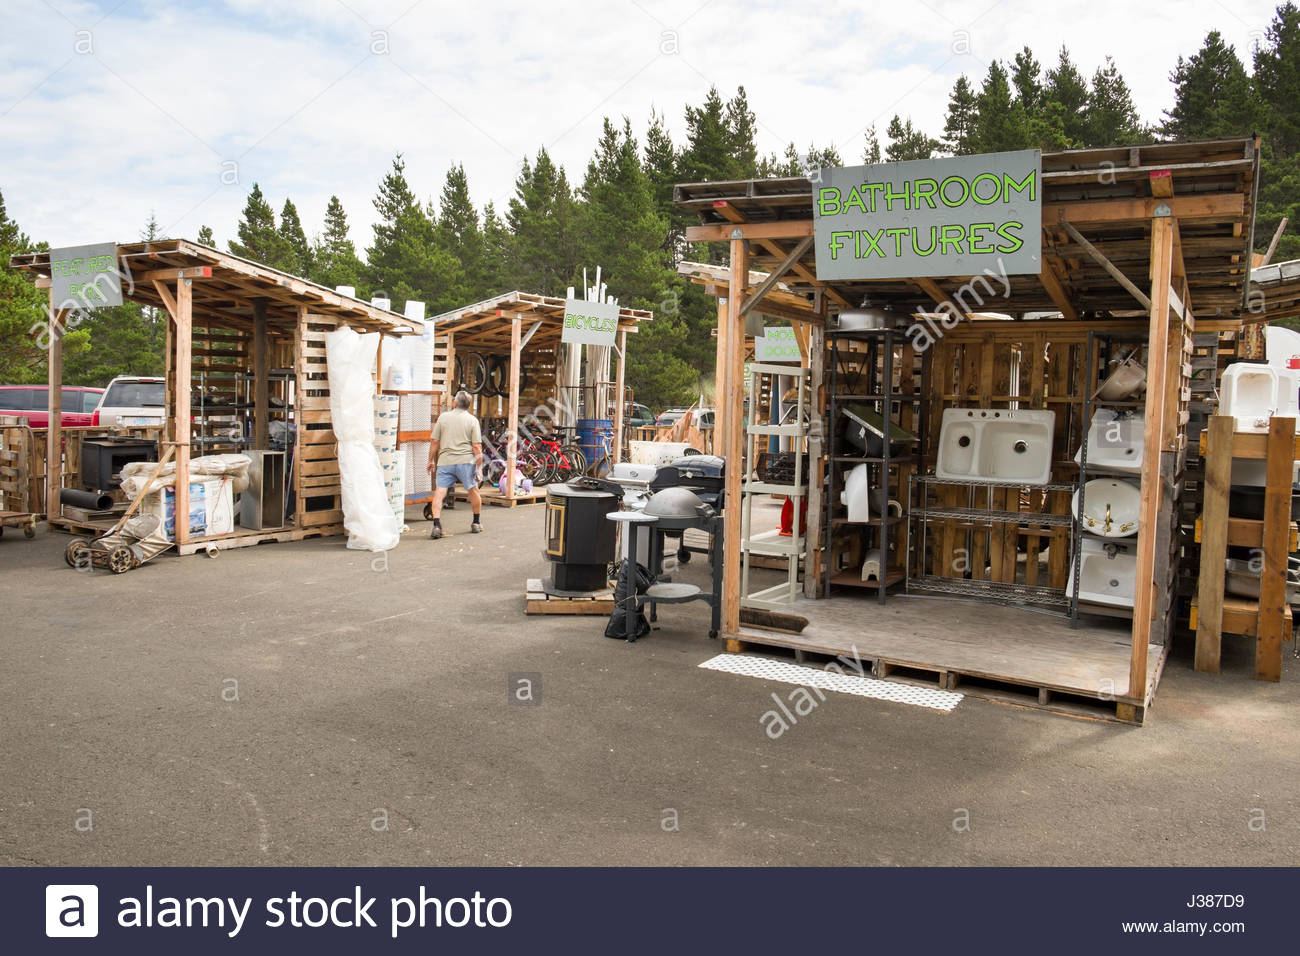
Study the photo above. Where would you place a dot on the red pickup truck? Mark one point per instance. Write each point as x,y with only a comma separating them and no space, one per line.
32,402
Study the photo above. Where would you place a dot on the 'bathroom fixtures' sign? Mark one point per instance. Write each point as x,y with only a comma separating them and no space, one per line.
591,323
930,217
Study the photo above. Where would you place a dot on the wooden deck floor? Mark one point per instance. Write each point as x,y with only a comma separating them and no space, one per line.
981,649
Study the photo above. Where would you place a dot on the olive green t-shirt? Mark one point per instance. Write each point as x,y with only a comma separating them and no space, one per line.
456,432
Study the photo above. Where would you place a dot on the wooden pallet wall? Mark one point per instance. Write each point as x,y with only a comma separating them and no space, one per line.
1005,367
316,465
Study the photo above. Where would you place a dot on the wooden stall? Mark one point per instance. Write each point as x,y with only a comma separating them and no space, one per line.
1142,248
523,330
245,349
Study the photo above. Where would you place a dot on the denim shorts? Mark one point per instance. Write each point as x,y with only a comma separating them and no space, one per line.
448,475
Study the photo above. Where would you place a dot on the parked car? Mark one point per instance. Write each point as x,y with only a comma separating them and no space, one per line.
32,402
703,417
132,400
636,415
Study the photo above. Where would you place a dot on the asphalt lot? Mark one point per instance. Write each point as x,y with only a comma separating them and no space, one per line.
373,726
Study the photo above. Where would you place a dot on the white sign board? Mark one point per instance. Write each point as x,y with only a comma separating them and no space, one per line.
85,277
777,344
589,323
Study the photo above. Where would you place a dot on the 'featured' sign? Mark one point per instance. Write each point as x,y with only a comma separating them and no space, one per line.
930,217
85,277
589,323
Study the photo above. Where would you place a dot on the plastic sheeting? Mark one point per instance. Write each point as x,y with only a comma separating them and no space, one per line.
367,513
136,473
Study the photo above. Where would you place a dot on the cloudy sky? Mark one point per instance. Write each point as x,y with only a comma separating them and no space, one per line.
112,110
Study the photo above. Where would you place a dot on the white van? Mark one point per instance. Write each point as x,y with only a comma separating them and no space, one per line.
132,400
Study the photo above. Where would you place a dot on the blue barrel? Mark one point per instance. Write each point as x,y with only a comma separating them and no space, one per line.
593,433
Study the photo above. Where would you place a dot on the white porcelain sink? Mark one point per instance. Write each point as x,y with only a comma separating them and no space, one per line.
1111,507
996,444
1254,393
1115,442
1107,572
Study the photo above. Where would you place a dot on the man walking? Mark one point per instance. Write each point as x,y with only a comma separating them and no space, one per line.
456,455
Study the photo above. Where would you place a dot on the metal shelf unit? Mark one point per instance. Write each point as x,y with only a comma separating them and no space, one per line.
921,513
771,543
873,385
1090,404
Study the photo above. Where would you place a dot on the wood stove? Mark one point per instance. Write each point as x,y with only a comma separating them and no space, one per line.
579,541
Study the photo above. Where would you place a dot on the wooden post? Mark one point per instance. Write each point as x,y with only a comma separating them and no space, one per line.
619,403
720,423
512,421
54,431
1144,603
261,381
1214,543
1277,522
184,383
299,417
733,451
816,363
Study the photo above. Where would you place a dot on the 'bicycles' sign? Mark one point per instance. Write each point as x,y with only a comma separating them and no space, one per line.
85,277
589,323
930,217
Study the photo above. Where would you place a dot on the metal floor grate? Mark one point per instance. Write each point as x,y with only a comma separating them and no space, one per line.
765,668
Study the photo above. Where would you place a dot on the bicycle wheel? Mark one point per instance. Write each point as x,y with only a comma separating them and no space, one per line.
493,469
476,373
575,460
498,376
545,465
602,466
458,373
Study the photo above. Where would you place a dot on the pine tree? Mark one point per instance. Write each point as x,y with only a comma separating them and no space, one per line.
458,231
495,276
334,257
1112,117
543,250
291,232
1277,85
1000,120
1067,89
871,146
23,308
741,126
707,155
1212,95
205,237
405,262
959,129
1277,79
1027,81
661,169
259,240
906,142
619,228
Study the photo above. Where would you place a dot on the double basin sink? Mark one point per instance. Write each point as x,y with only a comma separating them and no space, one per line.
996,444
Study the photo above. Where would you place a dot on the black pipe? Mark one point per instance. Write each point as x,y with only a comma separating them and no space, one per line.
90,500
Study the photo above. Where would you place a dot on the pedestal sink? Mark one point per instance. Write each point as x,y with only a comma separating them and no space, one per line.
996,444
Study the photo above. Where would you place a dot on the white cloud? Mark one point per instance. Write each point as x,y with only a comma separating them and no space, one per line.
291,92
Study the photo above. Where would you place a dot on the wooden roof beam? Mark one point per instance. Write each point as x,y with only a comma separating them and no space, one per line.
1221,206
1056,289
938,295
